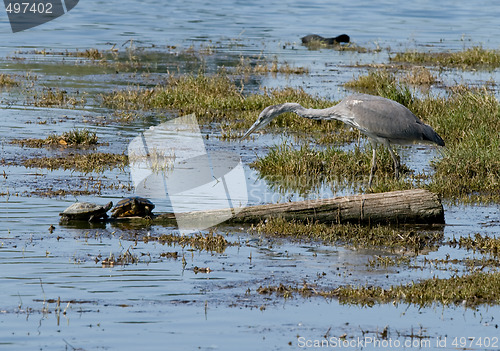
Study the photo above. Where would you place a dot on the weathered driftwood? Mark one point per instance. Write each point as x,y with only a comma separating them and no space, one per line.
407,206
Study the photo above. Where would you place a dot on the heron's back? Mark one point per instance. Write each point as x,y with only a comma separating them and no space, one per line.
381,118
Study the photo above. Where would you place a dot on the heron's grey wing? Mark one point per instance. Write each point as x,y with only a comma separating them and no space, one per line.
381,118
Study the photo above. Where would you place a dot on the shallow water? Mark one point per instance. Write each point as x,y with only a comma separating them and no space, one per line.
160,302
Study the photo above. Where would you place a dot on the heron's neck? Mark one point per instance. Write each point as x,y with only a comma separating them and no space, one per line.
312,113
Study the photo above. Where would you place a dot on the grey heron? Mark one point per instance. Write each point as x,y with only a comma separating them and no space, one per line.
383,120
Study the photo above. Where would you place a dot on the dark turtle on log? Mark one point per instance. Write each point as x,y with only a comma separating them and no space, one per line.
314,38
85,211
133,206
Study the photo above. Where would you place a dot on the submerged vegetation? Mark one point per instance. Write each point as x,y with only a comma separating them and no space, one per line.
209,242
469,290
354,235
50,97
249,67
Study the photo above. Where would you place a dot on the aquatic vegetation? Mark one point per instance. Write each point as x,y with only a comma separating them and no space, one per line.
385,83
352,234
474,57
217,98
419,75
74,137
91,53
248,67
49,97
482,244
7,80
469,169
319,44
374,81
386,261
470,290
122,259
308,166
204,242
92,162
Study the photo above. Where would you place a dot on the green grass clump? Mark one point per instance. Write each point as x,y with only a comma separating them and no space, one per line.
204,242
261,66
387,84
93,162
305,168
475,57
352,234
50,97
482,244
373,82
467,120
7,80
75,137
470,290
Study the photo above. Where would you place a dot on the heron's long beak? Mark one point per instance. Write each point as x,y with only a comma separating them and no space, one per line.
252,129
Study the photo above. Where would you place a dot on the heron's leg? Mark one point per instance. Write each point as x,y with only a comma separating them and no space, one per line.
374,163
396,160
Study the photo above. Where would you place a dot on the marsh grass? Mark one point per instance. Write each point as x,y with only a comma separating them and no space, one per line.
90,53
468,121
308,167
216,98
479,243
386,237
352,47
209,242
476,57
250,67
55,97
469,290
93,162
467,118
75,137
386,83
8,80
122,259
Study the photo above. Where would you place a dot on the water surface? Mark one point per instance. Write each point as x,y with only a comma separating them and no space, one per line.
160,302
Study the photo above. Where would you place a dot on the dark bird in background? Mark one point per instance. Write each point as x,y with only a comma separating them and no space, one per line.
311,38
382,120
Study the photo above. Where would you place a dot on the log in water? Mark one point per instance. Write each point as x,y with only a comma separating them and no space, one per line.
406,206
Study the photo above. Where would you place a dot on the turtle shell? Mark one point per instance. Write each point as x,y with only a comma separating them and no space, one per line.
85,211
133,206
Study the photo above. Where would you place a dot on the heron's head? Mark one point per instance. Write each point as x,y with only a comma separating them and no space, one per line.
267,115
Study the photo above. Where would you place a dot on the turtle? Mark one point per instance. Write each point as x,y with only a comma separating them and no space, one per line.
133,206
85,211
